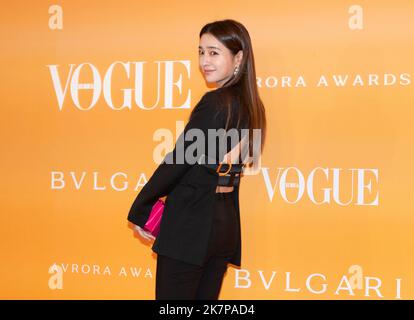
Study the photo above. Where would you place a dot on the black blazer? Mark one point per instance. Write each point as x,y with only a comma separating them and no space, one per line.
190,190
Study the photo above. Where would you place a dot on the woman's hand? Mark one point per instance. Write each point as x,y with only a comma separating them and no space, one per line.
145,234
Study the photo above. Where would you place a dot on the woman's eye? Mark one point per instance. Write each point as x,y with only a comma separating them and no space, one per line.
211,52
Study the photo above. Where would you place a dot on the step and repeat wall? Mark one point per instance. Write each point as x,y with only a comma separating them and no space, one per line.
87,85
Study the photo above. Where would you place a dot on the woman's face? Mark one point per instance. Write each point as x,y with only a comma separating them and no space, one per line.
216,61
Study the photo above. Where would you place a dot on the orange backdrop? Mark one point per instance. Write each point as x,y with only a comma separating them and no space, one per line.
86,84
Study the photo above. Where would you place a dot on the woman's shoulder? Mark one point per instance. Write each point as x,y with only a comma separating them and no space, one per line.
230,90
217,102
223,96
209,109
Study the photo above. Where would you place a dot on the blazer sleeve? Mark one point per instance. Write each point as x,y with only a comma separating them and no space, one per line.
206,115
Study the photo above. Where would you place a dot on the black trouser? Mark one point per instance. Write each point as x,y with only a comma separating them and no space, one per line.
180,280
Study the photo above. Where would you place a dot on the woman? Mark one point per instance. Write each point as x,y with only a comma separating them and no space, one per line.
200,229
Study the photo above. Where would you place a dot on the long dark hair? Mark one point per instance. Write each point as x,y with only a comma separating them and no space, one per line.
234,36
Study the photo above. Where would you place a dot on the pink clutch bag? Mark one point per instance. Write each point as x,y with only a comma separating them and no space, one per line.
153,223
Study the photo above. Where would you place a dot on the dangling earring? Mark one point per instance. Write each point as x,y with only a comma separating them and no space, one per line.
236,70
